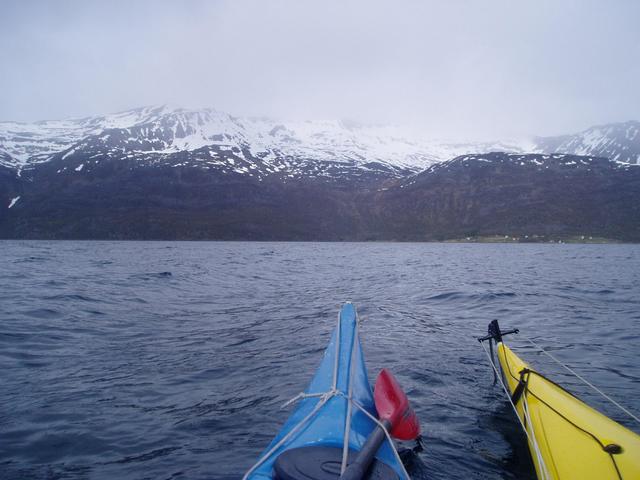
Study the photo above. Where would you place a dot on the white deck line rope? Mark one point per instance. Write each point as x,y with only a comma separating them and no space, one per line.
584,380
530,438
386,432
268,454
300,396
337,359
347,419
541,464
324,398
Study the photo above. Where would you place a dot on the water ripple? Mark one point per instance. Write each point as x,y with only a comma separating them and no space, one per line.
141,360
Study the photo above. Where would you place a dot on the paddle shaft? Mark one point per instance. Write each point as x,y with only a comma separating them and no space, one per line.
359,467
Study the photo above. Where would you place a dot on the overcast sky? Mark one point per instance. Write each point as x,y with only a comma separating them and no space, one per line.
473,69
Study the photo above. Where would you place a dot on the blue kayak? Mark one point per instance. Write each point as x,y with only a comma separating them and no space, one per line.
326,430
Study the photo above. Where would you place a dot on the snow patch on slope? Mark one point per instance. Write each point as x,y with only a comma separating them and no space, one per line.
154,134
13,201
166,130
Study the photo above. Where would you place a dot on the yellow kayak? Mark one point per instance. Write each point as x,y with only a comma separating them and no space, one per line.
567,438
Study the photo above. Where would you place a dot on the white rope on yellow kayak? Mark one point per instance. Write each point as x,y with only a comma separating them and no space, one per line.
543,467
530,436
584,380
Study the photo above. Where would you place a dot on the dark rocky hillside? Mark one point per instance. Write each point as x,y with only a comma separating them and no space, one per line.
526,196
537,196
122,199
173,173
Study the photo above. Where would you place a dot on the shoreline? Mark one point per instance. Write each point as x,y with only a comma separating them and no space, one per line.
502,239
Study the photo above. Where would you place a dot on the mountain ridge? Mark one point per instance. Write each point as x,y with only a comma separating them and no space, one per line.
161,173
162,130
519,195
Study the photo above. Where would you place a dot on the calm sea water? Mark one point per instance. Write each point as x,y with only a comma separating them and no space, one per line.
172,360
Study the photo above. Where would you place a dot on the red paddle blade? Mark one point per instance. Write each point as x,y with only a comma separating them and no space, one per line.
392,405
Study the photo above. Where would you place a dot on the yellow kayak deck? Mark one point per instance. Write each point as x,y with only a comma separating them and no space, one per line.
568,439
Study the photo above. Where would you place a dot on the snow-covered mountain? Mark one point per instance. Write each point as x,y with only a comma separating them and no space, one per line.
259,147
619,142
154,134
24,144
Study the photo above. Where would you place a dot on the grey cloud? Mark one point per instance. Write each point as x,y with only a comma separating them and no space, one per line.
453,68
